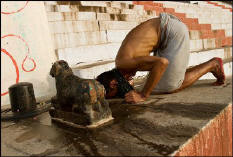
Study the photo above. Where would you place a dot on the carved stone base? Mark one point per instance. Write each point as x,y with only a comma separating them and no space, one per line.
78,120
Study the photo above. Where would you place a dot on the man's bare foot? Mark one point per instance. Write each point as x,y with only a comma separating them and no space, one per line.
218,71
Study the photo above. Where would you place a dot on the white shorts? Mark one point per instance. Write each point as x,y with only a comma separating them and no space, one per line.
174,46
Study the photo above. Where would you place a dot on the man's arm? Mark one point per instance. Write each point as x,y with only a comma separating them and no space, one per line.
156,67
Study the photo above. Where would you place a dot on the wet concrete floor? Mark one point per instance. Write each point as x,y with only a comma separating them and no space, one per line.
157,127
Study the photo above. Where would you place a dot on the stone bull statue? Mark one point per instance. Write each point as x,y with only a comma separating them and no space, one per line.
80,101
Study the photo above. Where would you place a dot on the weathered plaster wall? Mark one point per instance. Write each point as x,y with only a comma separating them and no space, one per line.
26,47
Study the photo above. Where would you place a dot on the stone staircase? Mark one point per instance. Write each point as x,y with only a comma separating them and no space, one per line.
88,34
210,28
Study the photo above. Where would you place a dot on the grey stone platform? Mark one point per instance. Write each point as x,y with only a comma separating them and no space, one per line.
157,127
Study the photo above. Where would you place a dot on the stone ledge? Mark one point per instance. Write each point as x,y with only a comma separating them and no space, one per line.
157,128
208,135
88,66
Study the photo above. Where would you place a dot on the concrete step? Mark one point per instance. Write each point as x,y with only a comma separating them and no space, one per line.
50,3
79,8
120,5
206,34
221,26
117,25
113,4
210,43
225,4
76,16
116,8
116,36
133,16
88,54
187,123
57,27
203,56
124,16
70,40
228,32
221,6
93,69
194,13
118,17
96,3
80,16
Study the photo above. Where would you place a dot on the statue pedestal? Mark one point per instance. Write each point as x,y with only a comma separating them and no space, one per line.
89,120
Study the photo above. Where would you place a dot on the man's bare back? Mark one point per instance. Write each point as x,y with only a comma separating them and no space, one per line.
140,41
134,54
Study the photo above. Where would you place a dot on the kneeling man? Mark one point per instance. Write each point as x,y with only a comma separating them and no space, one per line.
168,38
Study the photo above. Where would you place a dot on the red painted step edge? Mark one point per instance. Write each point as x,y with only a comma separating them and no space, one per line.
215,139
192,23
222,6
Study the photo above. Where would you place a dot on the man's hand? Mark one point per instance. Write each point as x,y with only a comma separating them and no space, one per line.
134,97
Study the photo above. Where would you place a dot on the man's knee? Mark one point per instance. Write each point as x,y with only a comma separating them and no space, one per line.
163,61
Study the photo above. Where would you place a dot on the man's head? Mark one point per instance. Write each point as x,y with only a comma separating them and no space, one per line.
115,83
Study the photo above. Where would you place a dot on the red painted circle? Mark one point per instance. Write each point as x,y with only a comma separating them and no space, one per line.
16,67
19,37
34,64
7,13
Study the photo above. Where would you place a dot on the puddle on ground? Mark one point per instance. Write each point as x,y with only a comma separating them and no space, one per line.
25,136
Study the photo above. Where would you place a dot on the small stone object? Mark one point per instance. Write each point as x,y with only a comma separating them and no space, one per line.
79,102
22,97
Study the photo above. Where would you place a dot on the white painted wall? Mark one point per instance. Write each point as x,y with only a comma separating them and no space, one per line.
25,33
